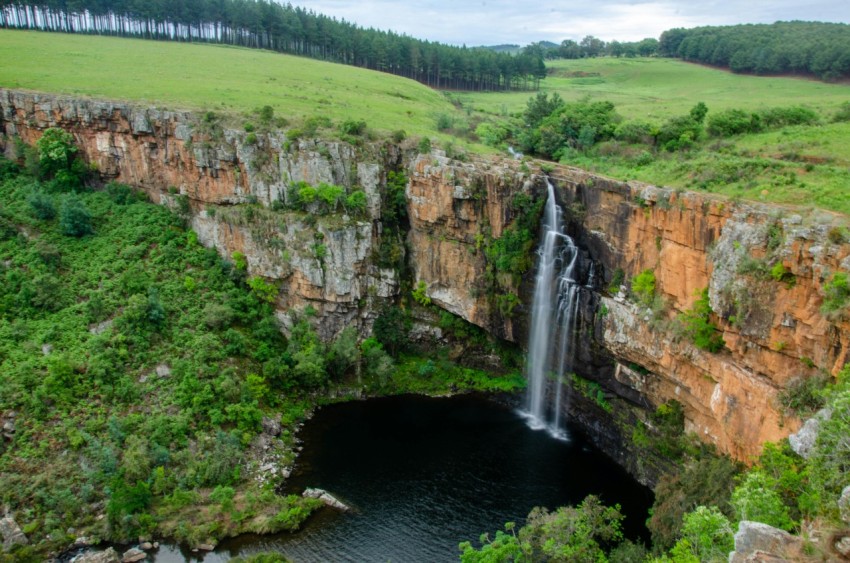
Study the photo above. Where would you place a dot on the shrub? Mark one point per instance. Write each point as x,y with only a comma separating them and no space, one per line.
708,533
706,480
444,121
804,395
251,139
829,464
635,132
424,146
56,150
123,194
266,114
843,113
836,235
573,533
420,294
41,205
756,499
356,202
679,133
74,218
399,135
699,327
792,115
240,262
217,315
643,287
491,134
836,293
329,195
264,290
732,122
353,127
780,274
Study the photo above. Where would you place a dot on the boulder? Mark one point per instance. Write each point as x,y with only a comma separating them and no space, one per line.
133,554
842,546
803,442
105,556
271,426
755,541
85,541
844,505
11,532
9,429
327,498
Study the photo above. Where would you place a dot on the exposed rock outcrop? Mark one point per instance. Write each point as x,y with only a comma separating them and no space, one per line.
844,505
755,541
11,533
803,441
237,192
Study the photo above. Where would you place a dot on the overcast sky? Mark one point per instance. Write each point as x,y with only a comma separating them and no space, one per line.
492,22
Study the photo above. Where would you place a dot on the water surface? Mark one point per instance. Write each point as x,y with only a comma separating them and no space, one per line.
423,474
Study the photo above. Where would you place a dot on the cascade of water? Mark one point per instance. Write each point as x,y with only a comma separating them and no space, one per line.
551,339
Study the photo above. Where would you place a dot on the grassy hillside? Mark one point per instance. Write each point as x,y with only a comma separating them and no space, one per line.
653,88
222,78
794,164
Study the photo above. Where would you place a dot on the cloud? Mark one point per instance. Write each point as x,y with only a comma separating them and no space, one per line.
490,22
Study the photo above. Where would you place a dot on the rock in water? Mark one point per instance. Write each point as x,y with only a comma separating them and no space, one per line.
106,556
134,554
326,498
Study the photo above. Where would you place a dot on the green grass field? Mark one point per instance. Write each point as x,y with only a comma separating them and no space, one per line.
654,89
221,78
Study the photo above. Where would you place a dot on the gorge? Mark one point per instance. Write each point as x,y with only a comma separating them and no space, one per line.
462,211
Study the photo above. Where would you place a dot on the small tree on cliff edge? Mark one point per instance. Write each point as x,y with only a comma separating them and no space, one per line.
57,158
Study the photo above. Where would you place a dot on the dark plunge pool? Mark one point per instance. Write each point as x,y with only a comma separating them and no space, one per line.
424,474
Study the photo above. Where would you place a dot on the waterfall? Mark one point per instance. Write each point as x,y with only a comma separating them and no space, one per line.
551,339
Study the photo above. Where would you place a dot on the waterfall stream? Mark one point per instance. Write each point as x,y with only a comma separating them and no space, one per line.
551,339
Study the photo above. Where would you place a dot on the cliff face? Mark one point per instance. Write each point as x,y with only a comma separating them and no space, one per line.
773,328
237,190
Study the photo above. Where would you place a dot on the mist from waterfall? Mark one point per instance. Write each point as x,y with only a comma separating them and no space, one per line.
551,341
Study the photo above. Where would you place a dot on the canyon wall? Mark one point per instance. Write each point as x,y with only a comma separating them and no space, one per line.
234,189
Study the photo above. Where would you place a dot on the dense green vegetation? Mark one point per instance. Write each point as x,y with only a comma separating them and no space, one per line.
140,365
287,29
815,48
699,503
